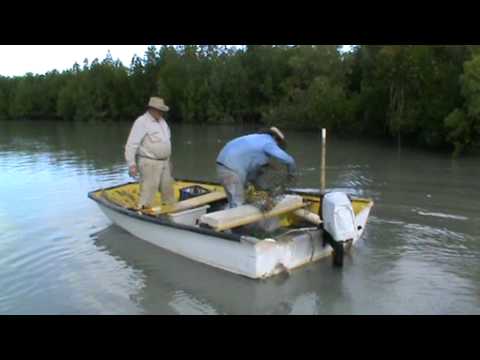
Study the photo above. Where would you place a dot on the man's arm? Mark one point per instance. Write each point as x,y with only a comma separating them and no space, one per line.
134,140
273,150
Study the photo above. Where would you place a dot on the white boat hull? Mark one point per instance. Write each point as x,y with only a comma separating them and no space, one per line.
251,258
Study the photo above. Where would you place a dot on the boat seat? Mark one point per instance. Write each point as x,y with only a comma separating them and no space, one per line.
248,214
190,203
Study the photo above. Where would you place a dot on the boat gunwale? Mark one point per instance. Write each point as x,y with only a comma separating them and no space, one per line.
160,221
198,230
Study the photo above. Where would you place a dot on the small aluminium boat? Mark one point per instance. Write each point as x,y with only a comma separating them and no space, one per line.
301,228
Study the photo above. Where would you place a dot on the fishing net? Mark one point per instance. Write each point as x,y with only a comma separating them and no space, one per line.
266,190
268,186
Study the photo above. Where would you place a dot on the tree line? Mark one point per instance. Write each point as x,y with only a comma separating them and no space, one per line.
417,94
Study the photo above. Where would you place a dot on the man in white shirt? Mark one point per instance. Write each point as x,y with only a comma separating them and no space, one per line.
147,153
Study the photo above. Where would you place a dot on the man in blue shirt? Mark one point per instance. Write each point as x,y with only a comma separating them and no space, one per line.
242,159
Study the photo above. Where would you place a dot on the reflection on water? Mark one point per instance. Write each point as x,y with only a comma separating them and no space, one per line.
188,287
60,255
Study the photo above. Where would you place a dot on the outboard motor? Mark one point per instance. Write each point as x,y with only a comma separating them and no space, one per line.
339,223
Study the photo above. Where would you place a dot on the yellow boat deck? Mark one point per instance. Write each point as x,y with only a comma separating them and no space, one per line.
127,195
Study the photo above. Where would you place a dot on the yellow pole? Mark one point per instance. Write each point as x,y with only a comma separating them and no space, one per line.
322,166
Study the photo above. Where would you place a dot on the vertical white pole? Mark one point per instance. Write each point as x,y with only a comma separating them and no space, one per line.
322,167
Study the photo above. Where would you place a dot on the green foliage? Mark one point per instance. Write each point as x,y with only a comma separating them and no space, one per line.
6,86
408,90
471,87
463,125
428,95
315,91
459,128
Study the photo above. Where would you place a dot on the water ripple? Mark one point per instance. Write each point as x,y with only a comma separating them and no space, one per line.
186,304
420,252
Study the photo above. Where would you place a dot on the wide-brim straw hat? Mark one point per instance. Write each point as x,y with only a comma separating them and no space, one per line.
158,103
277,132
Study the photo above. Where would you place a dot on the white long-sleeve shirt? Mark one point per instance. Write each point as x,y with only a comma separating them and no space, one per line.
149,138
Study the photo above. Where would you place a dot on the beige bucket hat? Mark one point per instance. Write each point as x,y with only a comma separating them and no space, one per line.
277,132
158,103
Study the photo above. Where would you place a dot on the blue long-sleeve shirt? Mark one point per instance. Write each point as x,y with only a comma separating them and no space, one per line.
246,154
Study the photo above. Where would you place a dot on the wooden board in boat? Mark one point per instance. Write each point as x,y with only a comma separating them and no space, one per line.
248,214
189,203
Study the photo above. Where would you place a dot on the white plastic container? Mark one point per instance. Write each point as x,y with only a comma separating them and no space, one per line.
189,217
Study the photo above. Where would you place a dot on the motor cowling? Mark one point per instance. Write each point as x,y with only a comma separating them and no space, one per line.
339,223
338,216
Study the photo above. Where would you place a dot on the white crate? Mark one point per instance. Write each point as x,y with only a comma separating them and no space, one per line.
189,217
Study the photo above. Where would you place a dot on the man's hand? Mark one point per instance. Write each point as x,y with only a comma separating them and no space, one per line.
132,170
291,179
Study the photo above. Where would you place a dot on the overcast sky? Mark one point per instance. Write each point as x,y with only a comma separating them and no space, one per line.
17,60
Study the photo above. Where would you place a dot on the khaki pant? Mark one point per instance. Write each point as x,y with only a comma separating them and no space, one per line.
233,185
155,176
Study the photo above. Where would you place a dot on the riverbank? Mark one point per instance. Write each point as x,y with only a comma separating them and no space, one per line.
424,93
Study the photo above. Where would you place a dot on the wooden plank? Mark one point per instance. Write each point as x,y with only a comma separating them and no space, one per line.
308,216
248,214
189,203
